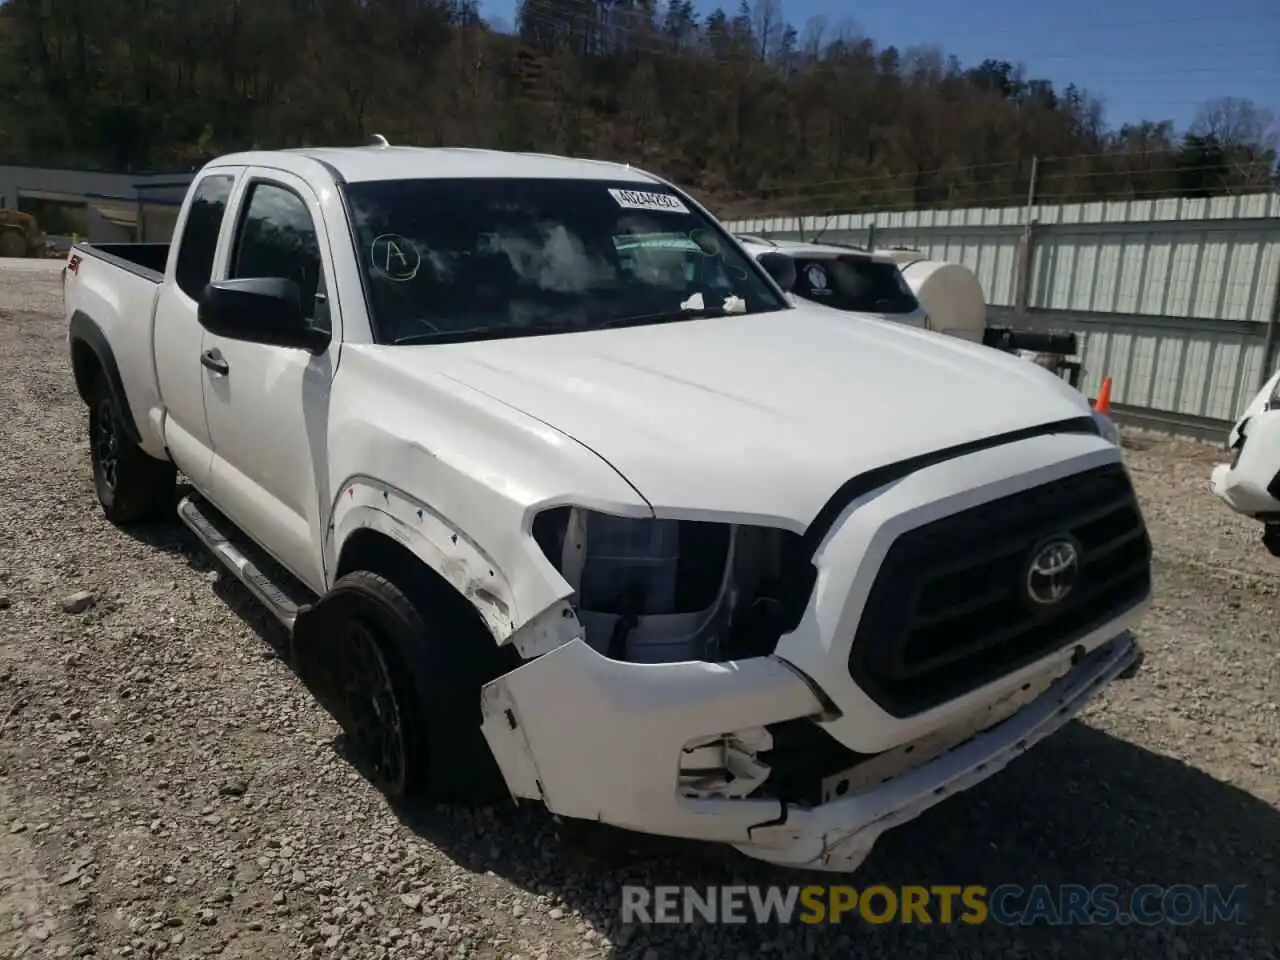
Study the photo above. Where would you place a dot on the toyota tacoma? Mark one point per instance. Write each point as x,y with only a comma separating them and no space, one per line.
563,500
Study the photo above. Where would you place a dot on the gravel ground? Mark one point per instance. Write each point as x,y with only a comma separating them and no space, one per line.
167,786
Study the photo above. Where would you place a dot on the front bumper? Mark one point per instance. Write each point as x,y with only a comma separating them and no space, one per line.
593,739
838,836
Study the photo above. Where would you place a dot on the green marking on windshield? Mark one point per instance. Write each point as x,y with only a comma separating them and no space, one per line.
655,241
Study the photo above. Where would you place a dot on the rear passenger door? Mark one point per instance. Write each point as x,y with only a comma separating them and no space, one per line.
178,334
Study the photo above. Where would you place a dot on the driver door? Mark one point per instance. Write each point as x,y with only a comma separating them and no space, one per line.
268,406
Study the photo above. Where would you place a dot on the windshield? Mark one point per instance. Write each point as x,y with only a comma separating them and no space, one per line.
855,283
468,259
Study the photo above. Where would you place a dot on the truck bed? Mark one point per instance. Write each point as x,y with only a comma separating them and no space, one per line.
110,296
141,259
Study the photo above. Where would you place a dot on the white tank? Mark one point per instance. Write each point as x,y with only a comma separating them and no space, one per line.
950,293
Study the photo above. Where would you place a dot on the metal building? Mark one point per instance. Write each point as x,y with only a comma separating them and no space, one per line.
1177,300
93,204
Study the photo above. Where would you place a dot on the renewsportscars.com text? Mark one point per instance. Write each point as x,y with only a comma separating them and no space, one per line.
1007,904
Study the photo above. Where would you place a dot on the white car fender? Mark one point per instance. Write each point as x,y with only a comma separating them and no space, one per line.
446,491
365,503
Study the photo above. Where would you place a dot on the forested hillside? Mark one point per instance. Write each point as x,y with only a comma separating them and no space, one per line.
747,110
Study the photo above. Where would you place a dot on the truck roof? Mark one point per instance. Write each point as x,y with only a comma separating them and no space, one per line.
356,164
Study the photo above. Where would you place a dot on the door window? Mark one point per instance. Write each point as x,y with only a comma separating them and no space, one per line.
278,239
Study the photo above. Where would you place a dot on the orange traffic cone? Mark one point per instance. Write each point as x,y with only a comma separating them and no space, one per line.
1102,405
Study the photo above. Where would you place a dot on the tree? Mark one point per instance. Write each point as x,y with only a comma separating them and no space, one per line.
1236,123
1240,135
738,106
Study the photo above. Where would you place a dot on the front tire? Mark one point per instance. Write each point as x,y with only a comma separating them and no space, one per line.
132,486
407,703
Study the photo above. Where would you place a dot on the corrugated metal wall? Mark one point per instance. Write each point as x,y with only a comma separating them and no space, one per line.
1171,298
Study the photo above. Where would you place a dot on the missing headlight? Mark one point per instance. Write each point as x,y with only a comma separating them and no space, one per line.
661,591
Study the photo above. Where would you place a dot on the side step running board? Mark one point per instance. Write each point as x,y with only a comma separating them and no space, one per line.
279,591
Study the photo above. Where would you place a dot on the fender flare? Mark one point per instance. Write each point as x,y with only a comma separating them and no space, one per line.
84,330
364,503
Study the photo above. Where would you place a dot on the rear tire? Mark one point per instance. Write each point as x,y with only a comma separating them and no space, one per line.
132,486
409,705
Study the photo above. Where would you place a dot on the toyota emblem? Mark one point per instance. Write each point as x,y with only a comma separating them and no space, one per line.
1053,571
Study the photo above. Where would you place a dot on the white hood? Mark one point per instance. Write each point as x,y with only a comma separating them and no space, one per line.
759,416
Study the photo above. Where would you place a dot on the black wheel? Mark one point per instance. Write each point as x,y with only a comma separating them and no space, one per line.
132,486
389,670
370,705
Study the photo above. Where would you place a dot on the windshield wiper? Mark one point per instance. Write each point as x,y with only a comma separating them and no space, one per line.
482,333
536,329
665,316
689,312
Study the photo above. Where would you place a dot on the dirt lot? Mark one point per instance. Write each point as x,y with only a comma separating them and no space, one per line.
168,787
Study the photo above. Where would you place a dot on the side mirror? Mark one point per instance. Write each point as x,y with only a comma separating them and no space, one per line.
260,310
781,267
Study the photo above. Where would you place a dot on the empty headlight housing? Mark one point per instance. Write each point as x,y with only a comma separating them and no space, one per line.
661,591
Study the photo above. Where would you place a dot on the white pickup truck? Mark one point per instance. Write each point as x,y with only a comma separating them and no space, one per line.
563,500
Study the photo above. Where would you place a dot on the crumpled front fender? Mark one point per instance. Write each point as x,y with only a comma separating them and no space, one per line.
368,504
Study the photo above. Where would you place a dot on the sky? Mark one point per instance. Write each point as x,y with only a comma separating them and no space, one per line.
1147,59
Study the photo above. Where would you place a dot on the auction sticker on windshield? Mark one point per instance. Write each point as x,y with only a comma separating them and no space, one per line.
643,200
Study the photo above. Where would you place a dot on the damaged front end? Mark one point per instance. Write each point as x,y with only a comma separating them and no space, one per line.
661,591
740,684
677,620
669,610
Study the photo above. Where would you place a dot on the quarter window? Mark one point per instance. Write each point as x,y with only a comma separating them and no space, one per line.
199,238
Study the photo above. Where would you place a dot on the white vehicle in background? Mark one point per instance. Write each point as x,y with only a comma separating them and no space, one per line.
562,500
846,278
1250,483
904,285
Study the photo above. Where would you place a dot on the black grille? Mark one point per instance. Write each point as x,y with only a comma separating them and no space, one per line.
949,610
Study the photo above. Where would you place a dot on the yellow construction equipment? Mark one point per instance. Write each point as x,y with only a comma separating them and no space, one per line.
20,235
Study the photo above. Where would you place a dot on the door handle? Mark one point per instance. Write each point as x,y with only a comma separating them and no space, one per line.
212,360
